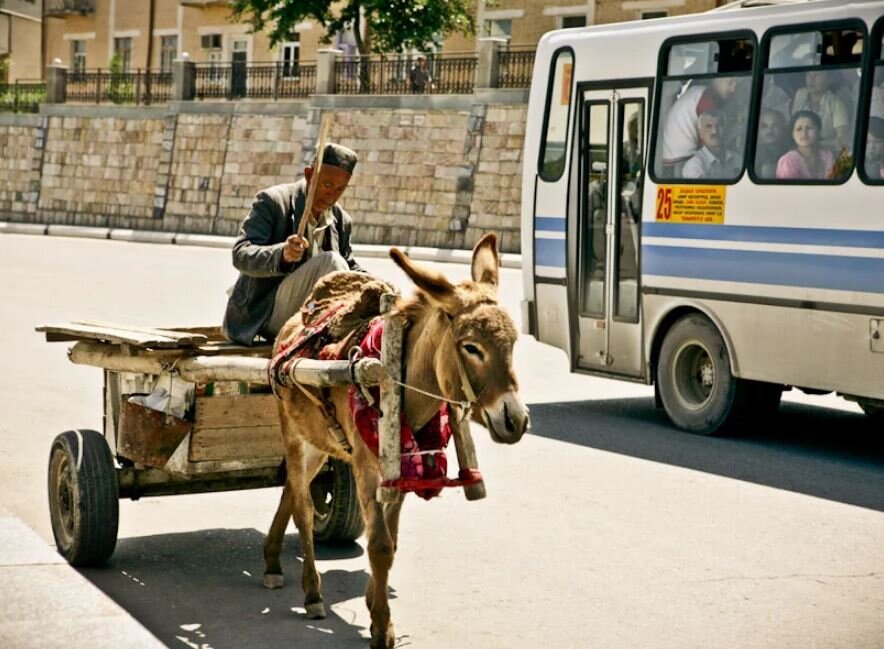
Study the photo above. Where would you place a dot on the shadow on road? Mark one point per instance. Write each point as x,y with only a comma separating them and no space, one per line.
820,452
203,589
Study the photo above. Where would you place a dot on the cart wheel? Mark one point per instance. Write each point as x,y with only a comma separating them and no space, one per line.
83,497
337,517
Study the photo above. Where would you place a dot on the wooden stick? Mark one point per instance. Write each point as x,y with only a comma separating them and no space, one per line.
314,179
466,451
389,426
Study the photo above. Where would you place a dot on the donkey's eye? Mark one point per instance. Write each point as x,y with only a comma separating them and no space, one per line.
471,349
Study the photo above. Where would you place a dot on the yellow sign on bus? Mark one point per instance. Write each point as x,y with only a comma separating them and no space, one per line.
691,203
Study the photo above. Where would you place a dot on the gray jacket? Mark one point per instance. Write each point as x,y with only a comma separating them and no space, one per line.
257,255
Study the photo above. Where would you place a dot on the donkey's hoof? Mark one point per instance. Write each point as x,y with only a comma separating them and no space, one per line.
315,611
272,581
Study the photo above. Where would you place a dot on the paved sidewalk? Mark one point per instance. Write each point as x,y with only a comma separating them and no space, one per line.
419,253
48,604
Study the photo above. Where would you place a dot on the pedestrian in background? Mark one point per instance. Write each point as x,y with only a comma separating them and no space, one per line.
420,78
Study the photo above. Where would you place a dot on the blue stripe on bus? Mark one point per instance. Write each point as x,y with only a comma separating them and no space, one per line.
864,274
808,236
549,224
549,252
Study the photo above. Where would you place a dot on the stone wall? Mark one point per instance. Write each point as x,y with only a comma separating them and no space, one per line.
434,171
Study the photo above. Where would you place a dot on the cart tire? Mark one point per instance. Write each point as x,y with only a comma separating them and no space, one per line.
337,516
83,497
697,388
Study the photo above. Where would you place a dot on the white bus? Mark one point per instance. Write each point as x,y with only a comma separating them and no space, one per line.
702,205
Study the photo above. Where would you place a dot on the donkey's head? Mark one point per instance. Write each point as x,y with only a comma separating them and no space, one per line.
468,340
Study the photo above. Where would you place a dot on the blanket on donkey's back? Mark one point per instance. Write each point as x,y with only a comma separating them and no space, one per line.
344,312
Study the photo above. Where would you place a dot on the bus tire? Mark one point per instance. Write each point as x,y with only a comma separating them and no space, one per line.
337,517
698,390
872,410
83,497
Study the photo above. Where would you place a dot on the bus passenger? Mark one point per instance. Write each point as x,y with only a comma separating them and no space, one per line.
773,142
680,132
712,160
807,161
874,162
818,97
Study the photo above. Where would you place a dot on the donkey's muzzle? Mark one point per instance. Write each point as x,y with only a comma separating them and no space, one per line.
507,419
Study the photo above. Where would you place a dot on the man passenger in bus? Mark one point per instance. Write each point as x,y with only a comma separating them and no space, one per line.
713,160
874,163
680,130
807,161
773,142
818,97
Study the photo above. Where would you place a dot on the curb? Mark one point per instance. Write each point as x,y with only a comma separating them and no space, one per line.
418,253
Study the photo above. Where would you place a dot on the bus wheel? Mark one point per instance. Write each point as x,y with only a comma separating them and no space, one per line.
697,388
873,410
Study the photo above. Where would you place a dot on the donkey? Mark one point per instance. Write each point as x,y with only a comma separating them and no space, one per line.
443,320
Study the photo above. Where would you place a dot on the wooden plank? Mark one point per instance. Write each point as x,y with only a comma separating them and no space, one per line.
78,331
236,411
243,443
187,338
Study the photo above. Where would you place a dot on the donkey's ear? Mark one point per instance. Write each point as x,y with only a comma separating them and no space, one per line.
435,285
485,260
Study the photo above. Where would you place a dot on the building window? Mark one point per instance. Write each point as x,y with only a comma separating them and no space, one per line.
573,21
123,49
290,56
168,52
78,57
210,41
648,15
498,28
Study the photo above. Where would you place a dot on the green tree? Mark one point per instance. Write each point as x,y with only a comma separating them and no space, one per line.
394,25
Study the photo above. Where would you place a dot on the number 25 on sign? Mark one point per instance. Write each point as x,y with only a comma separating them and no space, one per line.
664,203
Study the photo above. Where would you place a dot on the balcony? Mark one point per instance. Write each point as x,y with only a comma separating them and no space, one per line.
62,8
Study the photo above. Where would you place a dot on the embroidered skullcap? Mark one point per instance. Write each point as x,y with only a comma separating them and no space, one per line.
340,156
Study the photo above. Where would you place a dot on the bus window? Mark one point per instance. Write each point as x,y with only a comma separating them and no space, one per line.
873,163
558,102
629,190
704,103
808,106
592,284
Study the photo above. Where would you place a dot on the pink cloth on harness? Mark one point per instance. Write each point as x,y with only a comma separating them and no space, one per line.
423,454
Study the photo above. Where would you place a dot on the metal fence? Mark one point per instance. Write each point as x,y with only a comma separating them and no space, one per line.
515,68
392,75
133,87
240,80
23,96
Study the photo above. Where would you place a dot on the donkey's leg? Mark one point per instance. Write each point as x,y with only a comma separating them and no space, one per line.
273,543
380,556
391,515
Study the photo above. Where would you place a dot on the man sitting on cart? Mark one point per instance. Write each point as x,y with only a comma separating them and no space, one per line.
278,268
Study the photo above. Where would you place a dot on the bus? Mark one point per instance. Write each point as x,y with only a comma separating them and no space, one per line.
702,205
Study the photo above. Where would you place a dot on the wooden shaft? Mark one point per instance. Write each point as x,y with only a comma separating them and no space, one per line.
207,369
389,426
314,179
466,452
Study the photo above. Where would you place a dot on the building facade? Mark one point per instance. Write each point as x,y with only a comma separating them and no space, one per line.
20,27
85,34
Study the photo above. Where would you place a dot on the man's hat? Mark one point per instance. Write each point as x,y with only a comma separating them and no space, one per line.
340,156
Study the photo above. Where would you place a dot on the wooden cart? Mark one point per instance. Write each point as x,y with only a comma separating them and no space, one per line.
226,437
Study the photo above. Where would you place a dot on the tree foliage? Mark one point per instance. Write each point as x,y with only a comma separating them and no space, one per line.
393,25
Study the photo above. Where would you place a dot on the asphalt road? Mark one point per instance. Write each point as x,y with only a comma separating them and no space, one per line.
605,528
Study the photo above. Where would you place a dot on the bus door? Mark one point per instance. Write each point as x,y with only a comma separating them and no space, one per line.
613,125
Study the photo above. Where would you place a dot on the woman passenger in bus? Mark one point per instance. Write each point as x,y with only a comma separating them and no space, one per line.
807,161
817,96
773,142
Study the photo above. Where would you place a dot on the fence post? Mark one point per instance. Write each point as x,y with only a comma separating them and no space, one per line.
325,71
183,78
488,68
56,83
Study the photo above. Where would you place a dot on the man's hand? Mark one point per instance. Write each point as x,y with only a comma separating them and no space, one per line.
294,249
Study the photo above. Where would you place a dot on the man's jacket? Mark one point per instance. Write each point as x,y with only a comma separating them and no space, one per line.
257,255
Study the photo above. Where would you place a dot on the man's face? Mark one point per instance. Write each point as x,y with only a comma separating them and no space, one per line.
331,184
710,132
771,127
875,148
816,81
724,88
